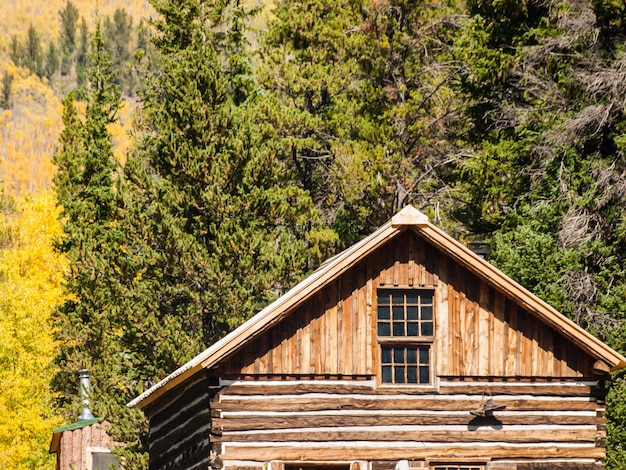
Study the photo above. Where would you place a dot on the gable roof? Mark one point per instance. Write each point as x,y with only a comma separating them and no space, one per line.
408,218
58,432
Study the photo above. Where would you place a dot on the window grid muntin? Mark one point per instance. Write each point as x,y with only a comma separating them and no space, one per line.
458,467
405,364
405,313
406,351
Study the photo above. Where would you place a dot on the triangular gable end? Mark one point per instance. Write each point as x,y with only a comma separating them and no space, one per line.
408,218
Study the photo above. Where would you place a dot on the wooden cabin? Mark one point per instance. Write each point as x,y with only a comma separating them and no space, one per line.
84,445
405,351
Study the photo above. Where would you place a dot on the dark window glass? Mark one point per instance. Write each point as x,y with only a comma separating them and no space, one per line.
410,364
387,375
383,313
398,374
405,313
398,312
398,355
427,312
411,356
411,375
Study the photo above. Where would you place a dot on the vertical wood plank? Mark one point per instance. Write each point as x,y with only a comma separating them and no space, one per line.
370,291
331,328
305,360
341,367
500,344
411,268
347,346
356,323
483,339
539,362
526,347
443,328
298,359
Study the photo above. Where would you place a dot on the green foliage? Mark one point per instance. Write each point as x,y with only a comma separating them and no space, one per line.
69,20
85,181
118,33
616,422
7,88
361,105
34,58
546,156
52,61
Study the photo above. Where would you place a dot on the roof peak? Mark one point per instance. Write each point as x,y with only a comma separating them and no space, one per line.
409,216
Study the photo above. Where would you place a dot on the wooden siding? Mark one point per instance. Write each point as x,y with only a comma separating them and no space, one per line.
356,420
479,332
72,453
180,427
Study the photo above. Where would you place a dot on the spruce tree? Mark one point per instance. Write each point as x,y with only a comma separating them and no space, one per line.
69,21
86,325
362,105
547,160
208,227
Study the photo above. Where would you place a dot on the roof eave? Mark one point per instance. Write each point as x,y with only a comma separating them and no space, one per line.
273,312
534,304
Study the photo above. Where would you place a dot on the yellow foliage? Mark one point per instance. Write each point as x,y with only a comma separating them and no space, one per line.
17,15
31,274
28,134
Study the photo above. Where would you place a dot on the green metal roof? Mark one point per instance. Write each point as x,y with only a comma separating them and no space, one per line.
56,434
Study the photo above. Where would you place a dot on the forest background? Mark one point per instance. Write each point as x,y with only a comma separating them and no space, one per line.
162,182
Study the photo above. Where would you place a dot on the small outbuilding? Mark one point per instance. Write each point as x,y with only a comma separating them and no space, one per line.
85,444
405,351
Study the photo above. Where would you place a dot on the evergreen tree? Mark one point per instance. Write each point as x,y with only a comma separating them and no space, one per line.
362,105
81,54
118,33
545,125
7,89
86,190
16,51
69,21
52,61
34,58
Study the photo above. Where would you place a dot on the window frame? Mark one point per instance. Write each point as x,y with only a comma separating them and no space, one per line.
406,341
457,466
90,451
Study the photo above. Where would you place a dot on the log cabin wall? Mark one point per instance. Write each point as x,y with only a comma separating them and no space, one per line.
180,427
308,389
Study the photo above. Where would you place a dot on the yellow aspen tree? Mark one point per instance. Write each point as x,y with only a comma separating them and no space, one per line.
31,274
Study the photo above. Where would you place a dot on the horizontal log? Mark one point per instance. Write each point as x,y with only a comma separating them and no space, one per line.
286,388
162,441
320,403
560,466
523,434
264,452
246,422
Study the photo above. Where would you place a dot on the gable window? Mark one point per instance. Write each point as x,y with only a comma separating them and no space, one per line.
405,327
